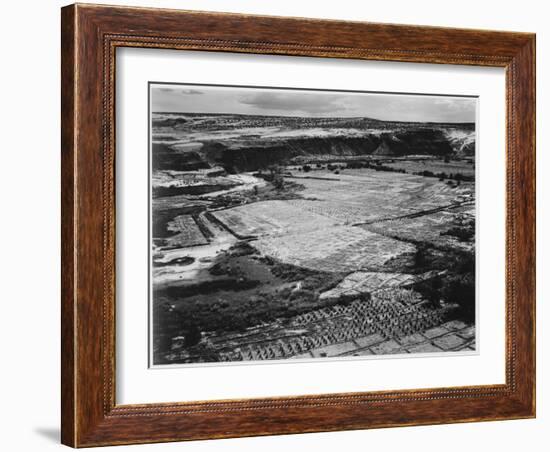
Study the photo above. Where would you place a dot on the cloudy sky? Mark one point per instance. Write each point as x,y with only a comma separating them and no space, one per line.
281,102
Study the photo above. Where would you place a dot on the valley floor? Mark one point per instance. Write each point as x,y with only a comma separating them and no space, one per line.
347,263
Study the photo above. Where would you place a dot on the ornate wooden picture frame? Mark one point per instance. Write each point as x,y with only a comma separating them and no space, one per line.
90,37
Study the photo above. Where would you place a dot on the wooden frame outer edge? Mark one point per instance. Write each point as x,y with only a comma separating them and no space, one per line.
89,414
68,221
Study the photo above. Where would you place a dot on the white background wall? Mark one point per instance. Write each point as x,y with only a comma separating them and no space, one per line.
29,236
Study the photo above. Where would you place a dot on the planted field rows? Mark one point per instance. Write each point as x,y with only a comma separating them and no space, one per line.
270,218
188,232
392,322
369,195
359,283
335,249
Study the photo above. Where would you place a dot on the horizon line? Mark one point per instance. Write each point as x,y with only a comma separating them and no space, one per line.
309,117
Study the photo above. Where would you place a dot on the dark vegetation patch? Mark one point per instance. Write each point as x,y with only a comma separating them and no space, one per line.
289,272
245,290
442,176
456,285
202,189
463,232
166,138
424,259
287,190
208,288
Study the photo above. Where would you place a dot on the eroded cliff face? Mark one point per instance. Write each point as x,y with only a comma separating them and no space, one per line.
259,154
166,157
190,142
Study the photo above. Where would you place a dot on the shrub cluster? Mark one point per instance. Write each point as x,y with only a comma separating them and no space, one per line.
456,286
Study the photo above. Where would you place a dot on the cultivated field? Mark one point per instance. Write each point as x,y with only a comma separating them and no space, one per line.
365,195
272,218
334,249
187,231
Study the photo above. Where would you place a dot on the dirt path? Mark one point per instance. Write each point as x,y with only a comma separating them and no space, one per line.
246,182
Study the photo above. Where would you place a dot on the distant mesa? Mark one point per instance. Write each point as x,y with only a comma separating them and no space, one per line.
247,143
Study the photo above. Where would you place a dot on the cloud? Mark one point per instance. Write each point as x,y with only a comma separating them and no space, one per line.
312,103
456,103
181,91
294,102
191,91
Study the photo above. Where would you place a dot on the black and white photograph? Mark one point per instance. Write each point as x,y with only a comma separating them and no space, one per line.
304,224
